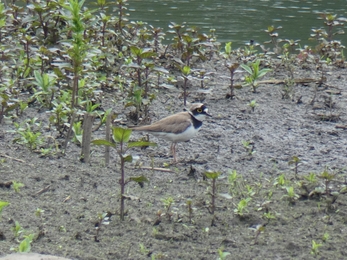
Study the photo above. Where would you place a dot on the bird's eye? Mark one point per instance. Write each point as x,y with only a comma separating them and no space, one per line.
199,110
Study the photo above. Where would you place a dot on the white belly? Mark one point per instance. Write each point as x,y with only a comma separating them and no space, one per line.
185,136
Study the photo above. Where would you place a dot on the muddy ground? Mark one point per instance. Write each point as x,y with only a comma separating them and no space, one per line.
310,123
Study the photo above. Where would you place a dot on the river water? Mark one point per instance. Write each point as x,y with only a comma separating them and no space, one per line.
239,21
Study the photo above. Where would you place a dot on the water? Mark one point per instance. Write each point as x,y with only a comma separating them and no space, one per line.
240,20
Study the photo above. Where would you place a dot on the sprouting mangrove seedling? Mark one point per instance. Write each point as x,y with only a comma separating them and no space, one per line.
168,203
212,176
254,74
17,185
291,195
242,207
253,104
122,144
315,248
248,145
327,177
296,161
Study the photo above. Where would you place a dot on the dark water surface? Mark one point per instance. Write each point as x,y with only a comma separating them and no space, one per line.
240,20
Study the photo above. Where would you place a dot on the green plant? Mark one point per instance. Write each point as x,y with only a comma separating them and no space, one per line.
311,178
39,212
17,185
253,104
281,180
315,248
121,136
291,195
78,132
46,88
327,177
242,207
248,145
221,254
272,32
2,205
296,161
232,67
254,74
29,136
213,176
17,229
168,203
185,70
325,237
143,249
25,244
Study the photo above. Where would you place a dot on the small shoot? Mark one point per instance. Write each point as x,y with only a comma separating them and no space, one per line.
315,248
296,162
291,195
241,209
25,245
221,254
327,177
281,180
167,204
2,205
39,212
17,185
253,104
122,144
212,176
17,229
248,145
254,74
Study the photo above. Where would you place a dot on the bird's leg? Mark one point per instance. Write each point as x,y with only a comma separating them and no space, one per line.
173,151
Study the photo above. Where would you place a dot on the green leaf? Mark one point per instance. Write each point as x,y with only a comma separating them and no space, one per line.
3,204
246,68
140,144
139,179
263,72
121,135
103,142
127,158
212,175
186,70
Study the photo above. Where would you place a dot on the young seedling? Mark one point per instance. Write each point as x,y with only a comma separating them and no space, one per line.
212,176
221,254
291,195
315,248
296,161
17,185
281,180
39,212
248,145
2,205
17,229
168,203
327,177
254,74
253,104
242,208
122,144
25,245
232,67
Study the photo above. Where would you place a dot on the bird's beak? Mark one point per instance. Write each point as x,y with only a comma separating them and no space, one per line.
206,112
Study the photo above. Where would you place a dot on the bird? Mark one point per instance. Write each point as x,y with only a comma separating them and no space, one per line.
180,127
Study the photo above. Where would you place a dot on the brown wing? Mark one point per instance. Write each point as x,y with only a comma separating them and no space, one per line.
171,124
